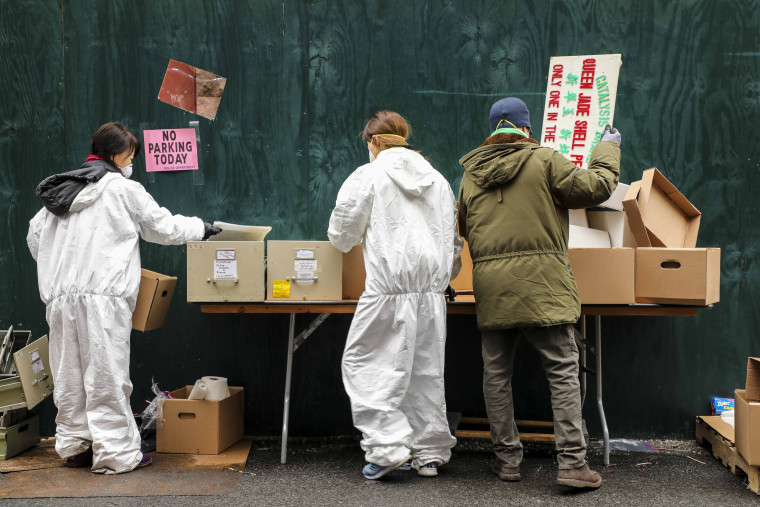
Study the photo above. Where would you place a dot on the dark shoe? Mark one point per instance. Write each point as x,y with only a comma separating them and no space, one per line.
505,473
81,460
145,461
581,477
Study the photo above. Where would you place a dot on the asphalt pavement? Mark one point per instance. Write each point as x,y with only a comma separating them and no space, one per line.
328,472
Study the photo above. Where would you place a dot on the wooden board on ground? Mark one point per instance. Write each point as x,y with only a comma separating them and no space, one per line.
39,473
713,431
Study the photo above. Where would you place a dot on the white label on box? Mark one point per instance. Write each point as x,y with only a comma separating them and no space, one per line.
304,254
225,269
225,254
305,276
35,355
38,367
305,265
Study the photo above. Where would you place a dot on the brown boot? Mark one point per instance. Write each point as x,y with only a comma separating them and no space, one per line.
505,473
581,477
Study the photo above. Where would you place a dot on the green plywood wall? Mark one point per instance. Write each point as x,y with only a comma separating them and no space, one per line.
303,77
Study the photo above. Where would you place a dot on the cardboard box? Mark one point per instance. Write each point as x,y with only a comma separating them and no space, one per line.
747,417
615,202
659,215
353,273
604,275
156,291
304,271
584,237
681,276
200,426
225,271
615,223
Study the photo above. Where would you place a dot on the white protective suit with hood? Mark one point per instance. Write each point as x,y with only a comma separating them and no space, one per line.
88,265
404,212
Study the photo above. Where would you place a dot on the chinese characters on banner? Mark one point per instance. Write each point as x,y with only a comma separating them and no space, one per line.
580,101
170,150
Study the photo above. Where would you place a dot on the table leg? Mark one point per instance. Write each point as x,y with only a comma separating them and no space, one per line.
598,355
288,374
583,362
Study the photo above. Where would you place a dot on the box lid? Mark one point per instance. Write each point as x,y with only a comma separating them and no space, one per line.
752,389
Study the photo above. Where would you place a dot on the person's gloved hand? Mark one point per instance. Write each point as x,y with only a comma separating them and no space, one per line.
611,134
209,230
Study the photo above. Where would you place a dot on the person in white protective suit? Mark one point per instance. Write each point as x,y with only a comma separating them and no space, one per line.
86,244
404,213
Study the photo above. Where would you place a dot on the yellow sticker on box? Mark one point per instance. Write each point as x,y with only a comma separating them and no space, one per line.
281,288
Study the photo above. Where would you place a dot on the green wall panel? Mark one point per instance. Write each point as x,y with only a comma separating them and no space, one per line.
302,78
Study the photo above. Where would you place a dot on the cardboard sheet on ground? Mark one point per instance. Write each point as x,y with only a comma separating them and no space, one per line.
580,101
235,232
39,473
192,89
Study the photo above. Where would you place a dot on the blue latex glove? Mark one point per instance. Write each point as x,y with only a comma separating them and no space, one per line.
611,134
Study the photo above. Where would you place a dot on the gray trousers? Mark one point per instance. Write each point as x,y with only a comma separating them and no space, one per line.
559,357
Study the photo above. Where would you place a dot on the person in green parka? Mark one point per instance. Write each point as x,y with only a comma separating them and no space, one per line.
513,211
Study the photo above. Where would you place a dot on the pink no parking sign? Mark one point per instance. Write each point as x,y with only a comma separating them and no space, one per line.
170,150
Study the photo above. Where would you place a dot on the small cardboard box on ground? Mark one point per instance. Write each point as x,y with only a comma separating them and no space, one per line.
747,417
200,426
604,275
153,299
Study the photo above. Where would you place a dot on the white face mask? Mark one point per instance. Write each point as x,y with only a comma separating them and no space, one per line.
371,157
127,171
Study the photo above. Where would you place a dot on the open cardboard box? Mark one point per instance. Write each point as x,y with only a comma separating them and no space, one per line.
200,426
604,275
684,276
153,299
747,417
659,215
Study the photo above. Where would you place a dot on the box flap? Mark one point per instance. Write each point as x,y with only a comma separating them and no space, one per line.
752,389
667,214
634,214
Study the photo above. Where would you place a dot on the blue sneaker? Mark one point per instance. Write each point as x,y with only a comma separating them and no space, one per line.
372,471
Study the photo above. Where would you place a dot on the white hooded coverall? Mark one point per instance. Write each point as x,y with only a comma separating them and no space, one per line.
88,266
405,213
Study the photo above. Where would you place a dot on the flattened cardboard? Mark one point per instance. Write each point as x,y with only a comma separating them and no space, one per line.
752,388
353,273
153,300
659,215
604,275
200,426
747,421
616,224
684,276
584,237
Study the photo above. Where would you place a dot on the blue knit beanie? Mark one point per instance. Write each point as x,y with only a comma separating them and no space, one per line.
511,109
